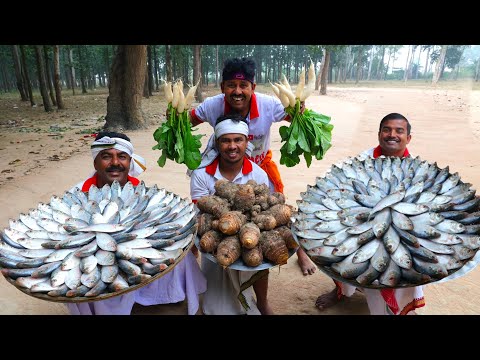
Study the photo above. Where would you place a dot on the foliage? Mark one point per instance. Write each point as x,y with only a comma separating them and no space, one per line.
309,134
176,140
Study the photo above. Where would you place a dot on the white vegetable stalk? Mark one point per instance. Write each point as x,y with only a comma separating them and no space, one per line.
275,89
181,100
176,96
286,83
301,84
167,89
289,93
190,96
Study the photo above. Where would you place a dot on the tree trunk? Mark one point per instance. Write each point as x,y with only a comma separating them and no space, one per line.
18,74
197,70
216,67
409,56
107,64
56,77
380,64
388,64
370,63
82,69
320,72
146,85
48,76
127,77
427,62
27,77
150,70
324,77
440,65
477,70
359,64
72,70
155,67
168,64
41,78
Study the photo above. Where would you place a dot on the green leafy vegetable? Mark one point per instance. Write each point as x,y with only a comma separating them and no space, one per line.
309,133
176,140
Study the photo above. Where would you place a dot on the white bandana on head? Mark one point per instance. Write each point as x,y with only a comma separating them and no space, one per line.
137,166
227,126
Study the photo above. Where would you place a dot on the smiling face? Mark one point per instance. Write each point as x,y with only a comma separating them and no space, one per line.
393,138
238,94
112,164
232,148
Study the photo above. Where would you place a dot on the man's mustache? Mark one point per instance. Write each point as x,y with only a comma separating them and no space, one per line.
115,169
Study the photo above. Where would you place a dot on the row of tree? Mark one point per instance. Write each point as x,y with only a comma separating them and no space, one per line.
135,71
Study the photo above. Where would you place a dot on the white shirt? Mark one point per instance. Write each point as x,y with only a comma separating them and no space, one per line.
223,285
264,111
203,180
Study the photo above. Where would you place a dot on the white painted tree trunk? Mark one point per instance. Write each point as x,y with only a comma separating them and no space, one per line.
438,69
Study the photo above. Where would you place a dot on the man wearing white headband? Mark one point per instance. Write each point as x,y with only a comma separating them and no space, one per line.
114,159
230,163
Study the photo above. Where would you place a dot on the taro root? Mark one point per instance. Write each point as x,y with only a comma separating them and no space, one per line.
281,213
273,247
204,223
276,198
244,198
231,221
252,257
228,251
210,240
249,235
265,221
213,204
287,236
226,189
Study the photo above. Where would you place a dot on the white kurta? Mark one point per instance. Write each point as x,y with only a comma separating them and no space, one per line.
223,285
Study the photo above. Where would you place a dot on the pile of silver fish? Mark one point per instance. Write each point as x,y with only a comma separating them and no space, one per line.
388,222
97,243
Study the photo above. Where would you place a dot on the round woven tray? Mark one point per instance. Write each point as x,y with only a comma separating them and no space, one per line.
376,285
79,299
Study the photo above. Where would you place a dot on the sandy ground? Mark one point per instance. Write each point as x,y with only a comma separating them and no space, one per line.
45,154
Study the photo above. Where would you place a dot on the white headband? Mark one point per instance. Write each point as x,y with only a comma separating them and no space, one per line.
231,127
137,166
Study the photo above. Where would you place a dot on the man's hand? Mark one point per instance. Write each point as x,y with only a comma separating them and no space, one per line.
302,107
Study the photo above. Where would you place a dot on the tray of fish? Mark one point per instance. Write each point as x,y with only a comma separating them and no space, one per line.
90,246
389,222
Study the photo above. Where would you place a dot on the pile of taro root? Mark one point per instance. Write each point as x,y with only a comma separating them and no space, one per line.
245,221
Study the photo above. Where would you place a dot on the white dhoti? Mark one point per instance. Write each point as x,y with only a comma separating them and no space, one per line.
221,297
399,302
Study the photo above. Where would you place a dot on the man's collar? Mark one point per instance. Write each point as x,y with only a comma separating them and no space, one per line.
246,168
378,152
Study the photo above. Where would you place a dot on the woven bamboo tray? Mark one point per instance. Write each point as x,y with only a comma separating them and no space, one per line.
80,299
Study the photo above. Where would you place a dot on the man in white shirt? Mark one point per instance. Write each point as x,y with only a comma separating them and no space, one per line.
261,111
393,137
226,159
114,159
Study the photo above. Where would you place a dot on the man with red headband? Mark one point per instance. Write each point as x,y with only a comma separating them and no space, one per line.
393,137
114,159
261,111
